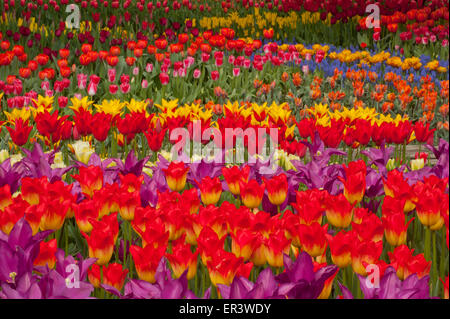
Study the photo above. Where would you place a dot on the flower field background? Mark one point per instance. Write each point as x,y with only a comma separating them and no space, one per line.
99,197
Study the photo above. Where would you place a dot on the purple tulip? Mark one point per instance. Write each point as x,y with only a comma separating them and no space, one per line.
265,287
391,287
37,164
11,175
165,286
299,281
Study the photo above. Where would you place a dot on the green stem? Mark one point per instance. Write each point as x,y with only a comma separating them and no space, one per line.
427,248
130,238
66,239
442,259
113,145
434,264
101,281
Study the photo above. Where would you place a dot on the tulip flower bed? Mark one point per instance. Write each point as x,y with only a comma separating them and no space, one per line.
161,151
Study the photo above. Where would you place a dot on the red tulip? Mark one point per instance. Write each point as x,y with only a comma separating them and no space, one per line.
128,202
309,211
90,179
112,60
355,183
33,188
276,246
5,196
365,253
100,126
277,188
54,213
208,243
268,33
210,190
224,266
312,238
100,243
84,212
428,208
251,193
396,186
341,248
370,228
46,255
176,175
182,259
233,176
146,261
19,135
423,133
395,228
405,263
11,214
244,242
339,211
161,44
25,73
164,78
114,275
155,139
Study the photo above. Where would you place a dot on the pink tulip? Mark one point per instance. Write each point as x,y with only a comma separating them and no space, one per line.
219,62
164,78
58,86
188,62
49,93
205,57
135,71
124,78
92,88
94,78
236,71
125,87
231,59
149,67
218,55
113,88
424,40
182,72
376,36
62,101
197,73
45,85
247,63
164,68
82,81
111,75
215,75
433,38
444,43
305,69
